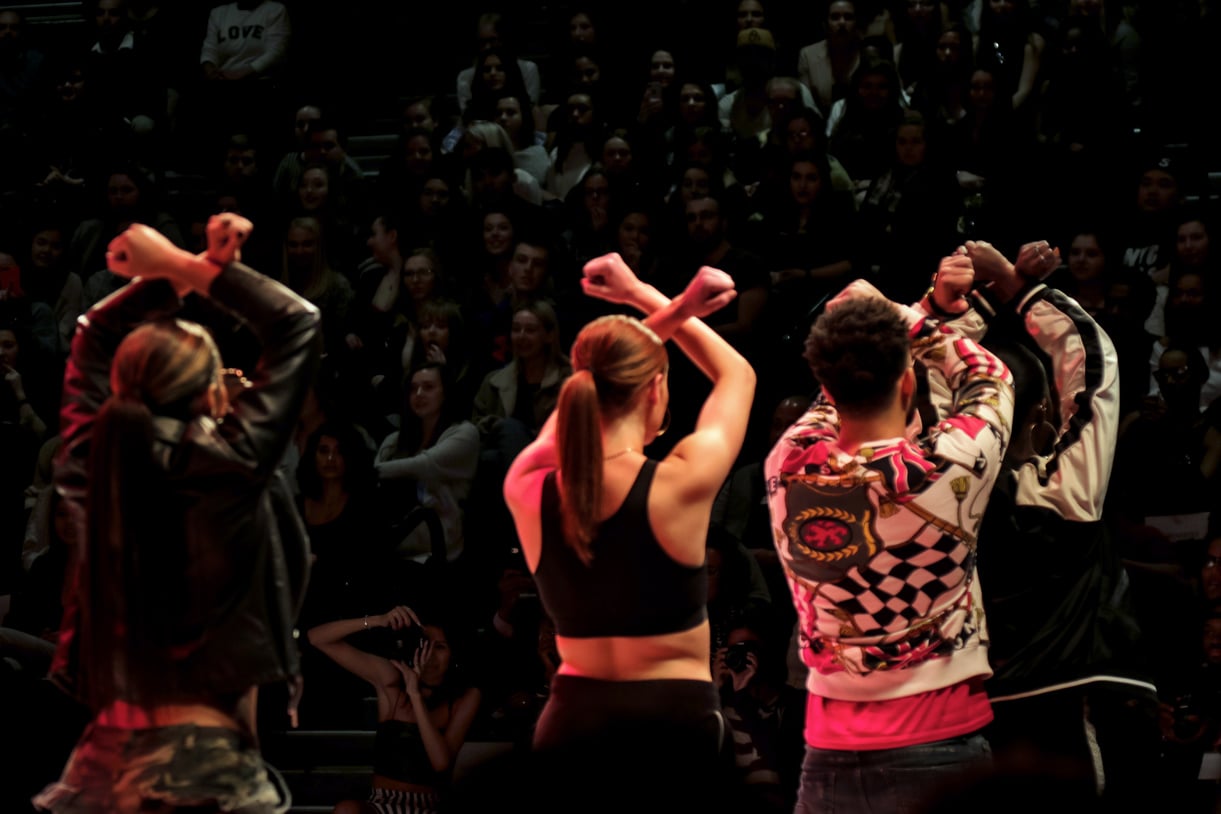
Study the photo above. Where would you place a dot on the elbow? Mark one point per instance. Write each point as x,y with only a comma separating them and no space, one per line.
311,315
310,323
745,374
314,638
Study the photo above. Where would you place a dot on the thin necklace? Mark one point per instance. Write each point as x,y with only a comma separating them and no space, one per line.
623,451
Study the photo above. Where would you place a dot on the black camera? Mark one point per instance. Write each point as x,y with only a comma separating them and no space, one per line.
736,655
397,645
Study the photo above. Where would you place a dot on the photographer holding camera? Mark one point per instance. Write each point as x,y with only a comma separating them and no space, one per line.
764,712
423,710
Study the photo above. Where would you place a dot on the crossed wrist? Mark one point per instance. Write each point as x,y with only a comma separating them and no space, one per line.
645,297
199,272
1005,290
934,307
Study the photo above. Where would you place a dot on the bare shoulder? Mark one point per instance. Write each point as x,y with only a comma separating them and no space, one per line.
690,476
680,504
524,491
698,463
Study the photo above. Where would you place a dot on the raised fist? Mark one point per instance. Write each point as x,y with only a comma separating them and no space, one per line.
1037,260
709,291
226,234
142,251
987,261
955,276
609,278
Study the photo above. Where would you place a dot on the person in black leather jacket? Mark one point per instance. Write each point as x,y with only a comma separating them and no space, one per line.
181,599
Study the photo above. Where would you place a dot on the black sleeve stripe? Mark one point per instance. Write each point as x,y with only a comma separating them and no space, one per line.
1091,341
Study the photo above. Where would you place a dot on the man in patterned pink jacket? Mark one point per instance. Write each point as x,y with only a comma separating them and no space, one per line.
877,533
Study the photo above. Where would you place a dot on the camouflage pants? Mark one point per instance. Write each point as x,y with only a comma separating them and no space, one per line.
166,769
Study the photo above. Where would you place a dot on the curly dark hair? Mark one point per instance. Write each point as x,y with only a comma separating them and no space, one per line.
857,352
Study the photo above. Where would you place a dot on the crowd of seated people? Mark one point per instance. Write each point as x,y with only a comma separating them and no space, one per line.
797,150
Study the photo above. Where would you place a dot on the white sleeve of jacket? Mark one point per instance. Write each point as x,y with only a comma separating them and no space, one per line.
1073,479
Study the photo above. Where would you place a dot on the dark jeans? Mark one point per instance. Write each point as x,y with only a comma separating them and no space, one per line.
888,781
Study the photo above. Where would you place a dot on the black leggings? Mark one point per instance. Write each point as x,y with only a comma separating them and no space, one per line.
633,745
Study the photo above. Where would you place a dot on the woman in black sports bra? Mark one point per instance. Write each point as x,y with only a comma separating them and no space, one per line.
616,543
423,714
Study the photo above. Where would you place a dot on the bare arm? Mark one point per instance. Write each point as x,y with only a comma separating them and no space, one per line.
722,423
709,452
609,278
523,487
442,747
331,638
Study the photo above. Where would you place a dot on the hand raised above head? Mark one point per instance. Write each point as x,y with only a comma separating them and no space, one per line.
609,278
1036,260
398,617
142,251
953,282
709,291
987,260
226,234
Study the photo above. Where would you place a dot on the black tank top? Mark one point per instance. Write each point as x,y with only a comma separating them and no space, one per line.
399,753
632,587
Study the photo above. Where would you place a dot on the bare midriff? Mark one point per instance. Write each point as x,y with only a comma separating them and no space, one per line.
127,715
681,655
